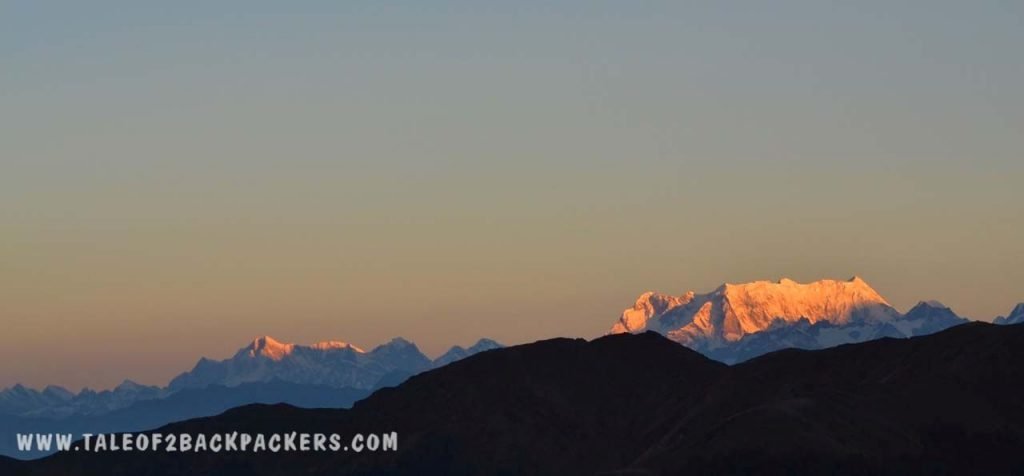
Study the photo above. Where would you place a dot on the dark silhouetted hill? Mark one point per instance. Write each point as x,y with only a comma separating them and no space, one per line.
947,403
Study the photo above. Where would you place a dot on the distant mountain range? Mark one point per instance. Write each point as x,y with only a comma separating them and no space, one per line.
57,402
459,352
946,403
326,374
333,364
176,406
737,322
329,364
732,324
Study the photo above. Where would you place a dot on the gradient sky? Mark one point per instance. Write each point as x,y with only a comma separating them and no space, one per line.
178,177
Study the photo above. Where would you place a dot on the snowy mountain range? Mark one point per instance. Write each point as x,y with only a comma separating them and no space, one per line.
737,322
334,364
329,364
327,374
731,324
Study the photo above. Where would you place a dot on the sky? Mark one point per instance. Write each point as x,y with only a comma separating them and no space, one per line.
179,177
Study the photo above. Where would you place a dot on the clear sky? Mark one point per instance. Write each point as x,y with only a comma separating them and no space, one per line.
178,177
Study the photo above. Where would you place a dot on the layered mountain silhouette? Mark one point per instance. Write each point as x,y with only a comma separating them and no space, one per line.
946,403
739,321
58,402
327,374
733,324
458,352
332,363
181,405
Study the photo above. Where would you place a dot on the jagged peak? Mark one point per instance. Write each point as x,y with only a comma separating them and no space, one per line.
17,388
399,341
55,388
457,352
455,349
855,283
649,305
128,384
1016,316
396,343
487,342
263,342
480,345
649,298
335,344
932,304
266,346
646,296
745,308
791,283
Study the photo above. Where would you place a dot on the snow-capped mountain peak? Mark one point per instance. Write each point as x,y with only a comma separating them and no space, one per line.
650,304
734,310
331,363
757,305
334,344
737,321
268,347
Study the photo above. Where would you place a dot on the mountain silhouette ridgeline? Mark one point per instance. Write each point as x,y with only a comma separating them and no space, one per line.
641,404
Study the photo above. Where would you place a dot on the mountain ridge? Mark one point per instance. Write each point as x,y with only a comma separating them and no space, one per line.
1016,316
332,363
942,403
265,368
738,321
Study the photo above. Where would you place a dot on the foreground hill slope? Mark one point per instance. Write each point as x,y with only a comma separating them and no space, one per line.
944,403
640,404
